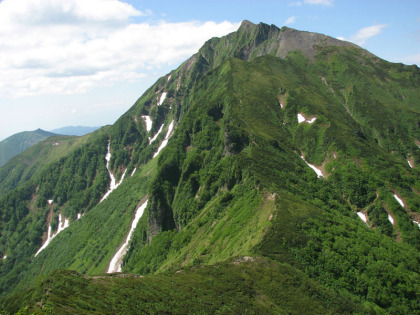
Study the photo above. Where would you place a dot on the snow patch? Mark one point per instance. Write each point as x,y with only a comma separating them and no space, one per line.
317,170
116,261
56,143
165,141
391,219
409,163
50,201
156,135
80,215
112,185
362,216
416,222
302,119
132,173
62,225
162,98
399,200
281,105
148,121
169,77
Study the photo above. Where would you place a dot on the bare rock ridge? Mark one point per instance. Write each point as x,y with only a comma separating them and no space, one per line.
254,40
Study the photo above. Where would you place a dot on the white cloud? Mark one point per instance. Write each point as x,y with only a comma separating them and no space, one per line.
295,4
320,2
365,33
290,20
67,47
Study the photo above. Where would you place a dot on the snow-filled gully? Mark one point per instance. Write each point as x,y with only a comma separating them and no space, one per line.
116,261
162,98
113,185
362,216
148,121
62,224
317,170
165,141
399,200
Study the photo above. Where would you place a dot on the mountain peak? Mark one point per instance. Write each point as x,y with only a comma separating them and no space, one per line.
246,24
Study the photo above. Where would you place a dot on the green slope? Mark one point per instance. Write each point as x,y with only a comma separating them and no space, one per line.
29,163
231,181
244,285
19,142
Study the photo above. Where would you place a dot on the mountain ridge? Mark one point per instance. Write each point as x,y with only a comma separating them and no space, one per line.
74,130
19,142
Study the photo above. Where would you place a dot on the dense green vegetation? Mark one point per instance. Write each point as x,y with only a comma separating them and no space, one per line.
244,285
28,164
231,182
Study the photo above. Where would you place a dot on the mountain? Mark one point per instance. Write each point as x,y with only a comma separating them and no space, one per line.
19,142
74,130
274,171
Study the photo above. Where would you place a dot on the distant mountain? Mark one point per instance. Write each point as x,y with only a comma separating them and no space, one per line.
21,141
74,130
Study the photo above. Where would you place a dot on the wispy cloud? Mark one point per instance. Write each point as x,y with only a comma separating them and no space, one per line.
365,33
290,20
295,4
362,35
320,2
68,47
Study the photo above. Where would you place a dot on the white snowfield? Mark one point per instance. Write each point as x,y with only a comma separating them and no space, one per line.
116,261
132,173
169,77
151,140
80,215
362,216
112,185
317,170
399,200
148,121
165,141
282,106
302,119
162,98
391,219
61,226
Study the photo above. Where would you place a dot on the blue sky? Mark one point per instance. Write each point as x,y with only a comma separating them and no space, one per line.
85,62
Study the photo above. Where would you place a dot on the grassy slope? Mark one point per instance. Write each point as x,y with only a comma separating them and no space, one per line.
28,164
89,244
19,142
250,285
272,160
